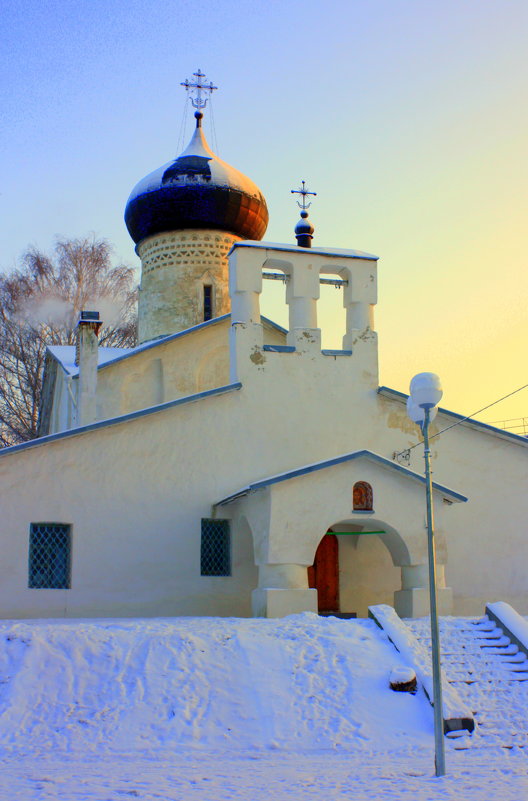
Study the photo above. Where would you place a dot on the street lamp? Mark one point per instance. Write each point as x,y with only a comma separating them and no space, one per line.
426,392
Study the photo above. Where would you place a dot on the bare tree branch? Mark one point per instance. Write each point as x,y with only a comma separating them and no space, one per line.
40,304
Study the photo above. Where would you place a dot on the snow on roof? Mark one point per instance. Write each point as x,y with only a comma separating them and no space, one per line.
316,251
65,355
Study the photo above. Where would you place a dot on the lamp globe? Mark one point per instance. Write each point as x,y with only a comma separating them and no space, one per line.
426,390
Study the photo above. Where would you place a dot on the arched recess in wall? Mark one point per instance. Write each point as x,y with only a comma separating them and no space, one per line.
212,369
142,387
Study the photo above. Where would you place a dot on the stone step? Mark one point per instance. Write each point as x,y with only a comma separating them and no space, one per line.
506,651
520,659
494,642
485,675
490,675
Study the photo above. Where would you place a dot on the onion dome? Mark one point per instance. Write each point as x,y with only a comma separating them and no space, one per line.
197,190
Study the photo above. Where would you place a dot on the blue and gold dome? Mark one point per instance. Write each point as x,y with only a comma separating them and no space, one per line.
197,190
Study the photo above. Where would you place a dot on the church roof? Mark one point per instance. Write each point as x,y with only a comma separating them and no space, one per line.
120,419
477,425
346,457
65,354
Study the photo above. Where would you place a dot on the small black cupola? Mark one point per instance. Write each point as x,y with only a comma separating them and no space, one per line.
304,228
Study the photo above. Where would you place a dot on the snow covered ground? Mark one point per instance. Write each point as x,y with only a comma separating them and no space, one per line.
214,709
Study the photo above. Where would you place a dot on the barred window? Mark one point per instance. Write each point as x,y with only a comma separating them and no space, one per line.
49,556
215,554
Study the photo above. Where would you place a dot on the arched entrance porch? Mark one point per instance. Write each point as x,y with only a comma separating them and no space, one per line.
357,564
288,513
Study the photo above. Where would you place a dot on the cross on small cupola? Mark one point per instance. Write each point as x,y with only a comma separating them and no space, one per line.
198,92
304,229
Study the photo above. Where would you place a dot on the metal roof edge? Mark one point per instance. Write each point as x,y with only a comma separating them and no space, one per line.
111,421
486,428
163,340
347,457
273,324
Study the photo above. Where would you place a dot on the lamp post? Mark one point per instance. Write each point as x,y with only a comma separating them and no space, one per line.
426,392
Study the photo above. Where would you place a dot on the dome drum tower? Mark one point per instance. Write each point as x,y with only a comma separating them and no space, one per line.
184,218
184,280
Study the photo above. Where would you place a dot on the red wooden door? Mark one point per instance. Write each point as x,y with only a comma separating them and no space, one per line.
324,574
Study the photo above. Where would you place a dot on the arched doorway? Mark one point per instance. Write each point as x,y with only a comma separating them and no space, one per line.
356,565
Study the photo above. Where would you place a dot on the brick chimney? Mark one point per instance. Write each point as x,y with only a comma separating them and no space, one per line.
86,358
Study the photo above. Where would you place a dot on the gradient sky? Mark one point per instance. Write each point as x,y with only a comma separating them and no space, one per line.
408,117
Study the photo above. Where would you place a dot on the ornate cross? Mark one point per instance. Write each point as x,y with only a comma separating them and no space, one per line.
199,86
303,191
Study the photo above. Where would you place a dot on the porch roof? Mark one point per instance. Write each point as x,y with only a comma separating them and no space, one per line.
449,494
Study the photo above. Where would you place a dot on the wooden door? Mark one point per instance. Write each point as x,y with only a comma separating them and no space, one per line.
324,574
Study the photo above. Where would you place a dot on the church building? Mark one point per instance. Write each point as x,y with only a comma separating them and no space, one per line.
228,466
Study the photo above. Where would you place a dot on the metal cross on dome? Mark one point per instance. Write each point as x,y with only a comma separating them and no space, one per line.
195,89
303,191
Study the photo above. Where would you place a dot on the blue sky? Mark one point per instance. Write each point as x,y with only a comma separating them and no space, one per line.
408,117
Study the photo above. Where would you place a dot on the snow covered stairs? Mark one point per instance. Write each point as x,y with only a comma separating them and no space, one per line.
489,673
456,713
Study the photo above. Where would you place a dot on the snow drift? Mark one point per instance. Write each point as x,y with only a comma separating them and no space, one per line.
159,685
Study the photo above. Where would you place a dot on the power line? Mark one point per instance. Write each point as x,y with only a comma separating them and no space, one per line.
512,424
469,417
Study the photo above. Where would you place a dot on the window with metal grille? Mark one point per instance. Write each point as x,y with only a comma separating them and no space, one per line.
49,556
215,554
207,301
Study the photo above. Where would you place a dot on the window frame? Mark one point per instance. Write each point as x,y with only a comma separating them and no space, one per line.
207,548
208,302
56,551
